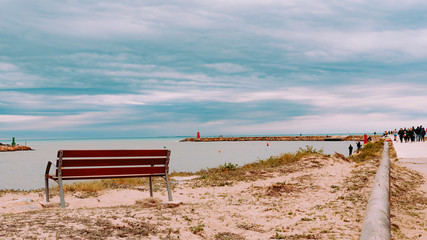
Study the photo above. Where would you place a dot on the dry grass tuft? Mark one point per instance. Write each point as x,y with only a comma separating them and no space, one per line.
223,175
250,226
277,189
369,151
392,151
149,203
229,173
228,236
340,156
85,189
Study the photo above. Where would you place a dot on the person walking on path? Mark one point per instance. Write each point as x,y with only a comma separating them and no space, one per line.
417,134
395,134
401,133
423,133
350,150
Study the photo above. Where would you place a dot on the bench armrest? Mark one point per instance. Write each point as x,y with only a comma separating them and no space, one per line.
49,164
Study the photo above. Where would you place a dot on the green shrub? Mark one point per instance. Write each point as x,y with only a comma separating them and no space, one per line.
197,229
228,166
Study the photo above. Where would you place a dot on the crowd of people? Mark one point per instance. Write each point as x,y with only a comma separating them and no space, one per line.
412,134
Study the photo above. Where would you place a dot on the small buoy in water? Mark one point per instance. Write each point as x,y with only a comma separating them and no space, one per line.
268,144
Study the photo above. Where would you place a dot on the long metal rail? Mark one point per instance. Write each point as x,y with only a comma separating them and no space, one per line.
376,222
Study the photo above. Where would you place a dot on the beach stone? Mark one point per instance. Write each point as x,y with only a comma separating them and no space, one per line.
149,202
142,188
184,179
21,205
172,204
52,204
156,203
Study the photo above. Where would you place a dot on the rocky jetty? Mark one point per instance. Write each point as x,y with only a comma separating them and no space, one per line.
7,148
282,138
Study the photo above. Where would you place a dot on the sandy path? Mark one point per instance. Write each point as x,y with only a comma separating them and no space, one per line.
316,198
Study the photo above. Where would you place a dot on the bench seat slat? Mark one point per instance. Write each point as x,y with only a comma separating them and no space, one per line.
112,171
112,162
104,176
113,153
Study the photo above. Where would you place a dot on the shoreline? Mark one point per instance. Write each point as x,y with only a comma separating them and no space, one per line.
283,138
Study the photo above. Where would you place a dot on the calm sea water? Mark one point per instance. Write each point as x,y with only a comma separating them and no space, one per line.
25,169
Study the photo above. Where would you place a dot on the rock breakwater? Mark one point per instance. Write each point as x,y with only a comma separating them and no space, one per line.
282,138
7,148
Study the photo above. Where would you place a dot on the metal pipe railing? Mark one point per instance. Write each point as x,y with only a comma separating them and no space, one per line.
376,222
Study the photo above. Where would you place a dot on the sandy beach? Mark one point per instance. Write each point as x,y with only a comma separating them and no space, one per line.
317,197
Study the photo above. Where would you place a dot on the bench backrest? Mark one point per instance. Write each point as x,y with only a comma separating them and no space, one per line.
91,164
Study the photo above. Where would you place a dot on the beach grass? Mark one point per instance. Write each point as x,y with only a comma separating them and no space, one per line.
284,159
369,151
225,174
92,188
229,173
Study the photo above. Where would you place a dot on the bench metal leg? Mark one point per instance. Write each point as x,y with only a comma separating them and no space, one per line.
46,183
61,193
169,189
151,187
46,179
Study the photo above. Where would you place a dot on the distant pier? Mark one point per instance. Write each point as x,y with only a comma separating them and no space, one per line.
282,138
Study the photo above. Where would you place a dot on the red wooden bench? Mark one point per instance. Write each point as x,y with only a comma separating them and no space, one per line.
101,164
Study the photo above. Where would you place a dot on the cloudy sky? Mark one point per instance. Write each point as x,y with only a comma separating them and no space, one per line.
241,67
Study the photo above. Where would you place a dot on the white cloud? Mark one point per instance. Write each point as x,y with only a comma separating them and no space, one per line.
286,7
18,119
357,108
226,67
58,122
382,43
7,67
332,44
103,100
134,19
326,123
362,97
11,76
138,76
